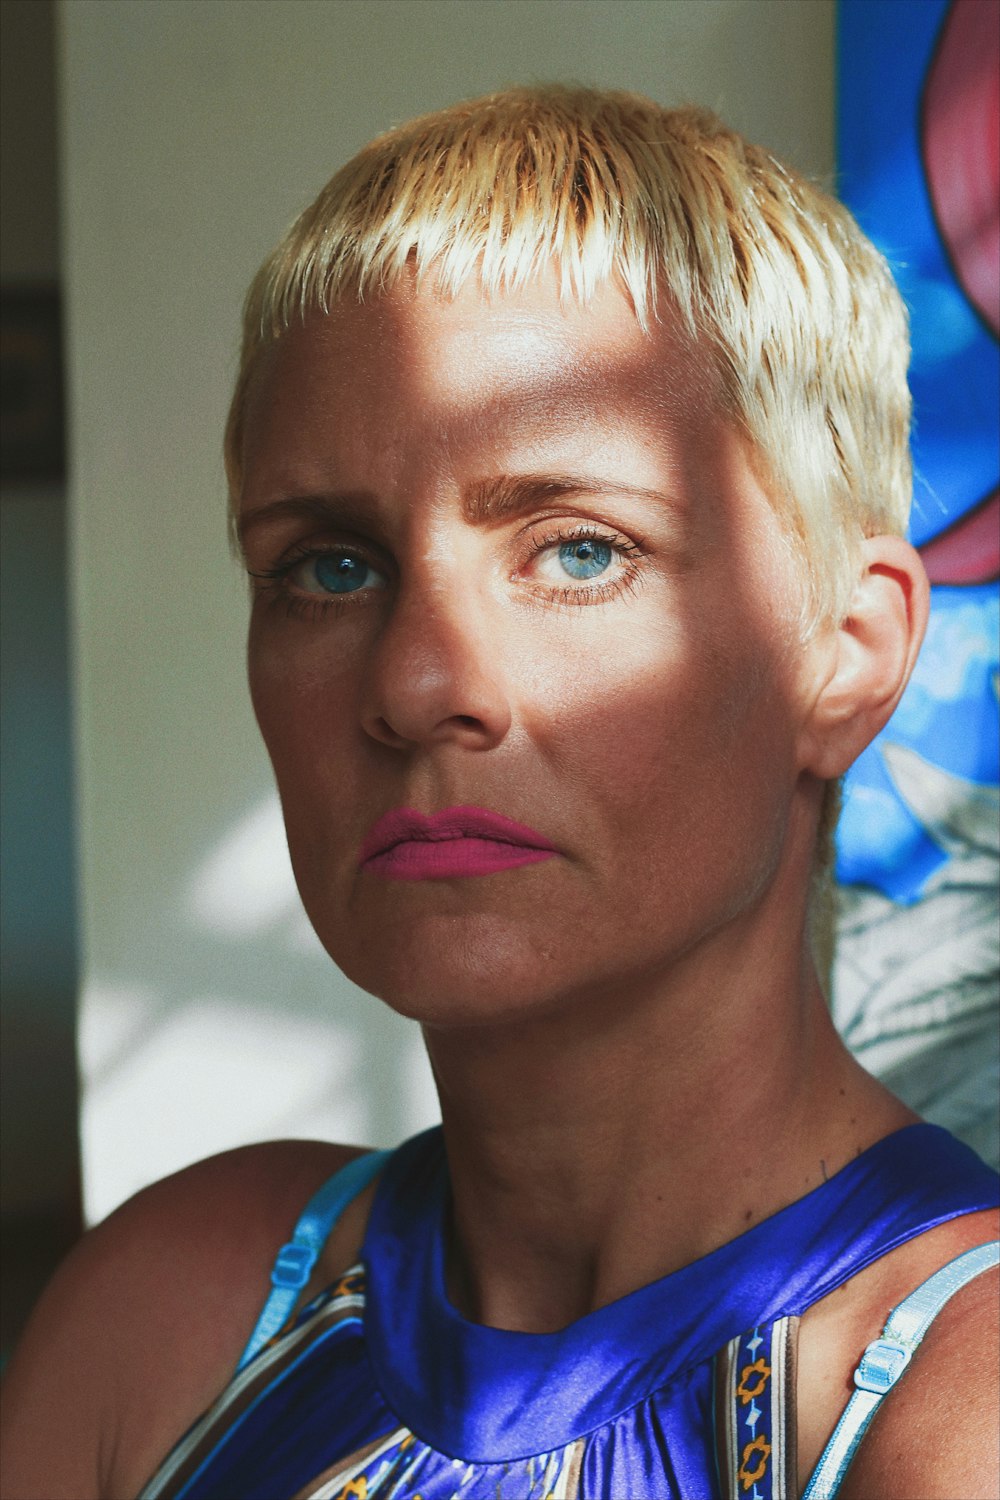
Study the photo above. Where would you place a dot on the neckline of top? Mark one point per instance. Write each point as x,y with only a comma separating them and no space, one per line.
493,1395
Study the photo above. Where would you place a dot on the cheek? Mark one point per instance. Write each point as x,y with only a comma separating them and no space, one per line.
304,698
637,703
678,752
296,676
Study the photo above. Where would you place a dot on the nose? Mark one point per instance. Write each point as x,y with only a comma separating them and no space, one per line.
435,675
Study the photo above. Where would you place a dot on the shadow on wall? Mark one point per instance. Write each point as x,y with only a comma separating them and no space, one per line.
256,1011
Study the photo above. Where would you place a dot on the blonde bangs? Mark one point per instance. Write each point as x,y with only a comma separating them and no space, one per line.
494,189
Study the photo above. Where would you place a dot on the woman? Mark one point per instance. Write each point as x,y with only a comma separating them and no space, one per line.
568,461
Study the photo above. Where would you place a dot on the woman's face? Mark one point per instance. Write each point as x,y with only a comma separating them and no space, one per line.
509,556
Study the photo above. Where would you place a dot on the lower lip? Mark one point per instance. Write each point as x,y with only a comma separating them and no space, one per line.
450,859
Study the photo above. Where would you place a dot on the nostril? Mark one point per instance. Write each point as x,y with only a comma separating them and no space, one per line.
384,731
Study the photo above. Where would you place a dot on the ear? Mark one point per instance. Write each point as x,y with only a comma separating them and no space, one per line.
862,665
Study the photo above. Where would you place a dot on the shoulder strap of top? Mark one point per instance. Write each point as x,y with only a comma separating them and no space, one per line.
294,1262
885,1360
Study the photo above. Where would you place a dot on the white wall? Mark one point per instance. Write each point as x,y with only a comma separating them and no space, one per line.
192,131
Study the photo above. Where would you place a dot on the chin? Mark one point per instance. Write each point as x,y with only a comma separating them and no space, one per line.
458,972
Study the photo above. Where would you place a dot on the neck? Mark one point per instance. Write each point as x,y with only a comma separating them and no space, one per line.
598,1148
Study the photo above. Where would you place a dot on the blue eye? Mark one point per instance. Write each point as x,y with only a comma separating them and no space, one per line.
585,558
317,579
344,573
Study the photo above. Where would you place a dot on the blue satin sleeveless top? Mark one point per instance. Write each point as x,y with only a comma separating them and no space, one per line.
381,1390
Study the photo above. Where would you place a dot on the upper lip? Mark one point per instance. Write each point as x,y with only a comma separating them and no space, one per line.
405,823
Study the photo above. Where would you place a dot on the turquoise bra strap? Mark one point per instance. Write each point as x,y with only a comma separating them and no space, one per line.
885,1360
294,1262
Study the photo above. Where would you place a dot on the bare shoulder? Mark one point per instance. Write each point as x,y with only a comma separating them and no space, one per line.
143,1323
936,1434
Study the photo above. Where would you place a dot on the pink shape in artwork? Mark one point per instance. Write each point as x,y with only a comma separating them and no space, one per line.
961,141
969,551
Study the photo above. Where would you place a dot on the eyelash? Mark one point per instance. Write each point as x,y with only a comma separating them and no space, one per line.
628,551
273,585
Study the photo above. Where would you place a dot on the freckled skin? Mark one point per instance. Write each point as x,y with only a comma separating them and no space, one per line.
649,735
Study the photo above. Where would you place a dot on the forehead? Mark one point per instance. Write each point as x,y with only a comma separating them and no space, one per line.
519,367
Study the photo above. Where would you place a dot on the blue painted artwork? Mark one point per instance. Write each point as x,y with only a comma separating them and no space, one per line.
919,165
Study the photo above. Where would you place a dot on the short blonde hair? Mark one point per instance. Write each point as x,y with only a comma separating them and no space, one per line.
799,309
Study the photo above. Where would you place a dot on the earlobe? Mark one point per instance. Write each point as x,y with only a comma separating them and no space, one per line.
868,658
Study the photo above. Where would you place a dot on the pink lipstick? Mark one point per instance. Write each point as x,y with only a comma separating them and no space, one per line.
460,841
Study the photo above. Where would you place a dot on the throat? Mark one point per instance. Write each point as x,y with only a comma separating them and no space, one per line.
545,1300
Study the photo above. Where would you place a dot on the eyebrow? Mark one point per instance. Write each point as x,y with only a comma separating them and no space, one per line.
506,495
497,498
340,508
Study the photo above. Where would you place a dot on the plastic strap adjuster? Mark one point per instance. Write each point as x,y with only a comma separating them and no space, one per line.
294,1261
293,1265
881,1366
